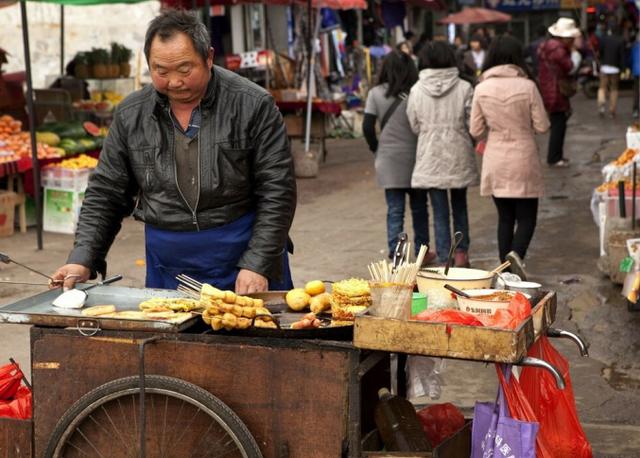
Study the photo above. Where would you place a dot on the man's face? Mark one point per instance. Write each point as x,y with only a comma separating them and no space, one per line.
177,70
475,45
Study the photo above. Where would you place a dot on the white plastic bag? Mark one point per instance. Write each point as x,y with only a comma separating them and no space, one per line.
424,377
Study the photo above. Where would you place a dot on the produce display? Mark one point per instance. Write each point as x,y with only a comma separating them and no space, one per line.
227,310
72,137
101,102
79,162
103,63
349,298
626,157
16,144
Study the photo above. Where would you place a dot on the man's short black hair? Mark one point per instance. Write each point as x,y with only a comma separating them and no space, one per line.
171,22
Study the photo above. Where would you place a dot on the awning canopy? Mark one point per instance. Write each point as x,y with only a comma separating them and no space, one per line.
333,4
86,2
475,16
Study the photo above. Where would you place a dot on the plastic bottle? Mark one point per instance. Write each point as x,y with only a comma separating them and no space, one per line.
398,424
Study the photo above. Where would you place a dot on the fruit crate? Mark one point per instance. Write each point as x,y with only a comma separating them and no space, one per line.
7,212
63,178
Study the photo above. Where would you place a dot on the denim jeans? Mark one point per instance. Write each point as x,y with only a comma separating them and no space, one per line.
442,223
395,216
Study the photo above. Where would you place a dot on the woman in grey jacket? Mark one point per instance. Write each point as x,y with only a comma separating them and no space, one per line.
395,152
439,106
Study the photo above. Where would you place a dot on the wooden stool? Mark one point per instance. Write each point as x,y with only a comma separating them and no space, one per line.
15,184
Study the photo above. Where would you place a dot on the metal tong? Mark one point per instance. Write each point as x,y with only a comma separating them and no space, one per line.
6,259
401,253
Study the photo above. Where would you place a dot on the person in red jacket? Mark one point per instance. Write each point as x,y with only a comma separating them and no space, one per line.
556,85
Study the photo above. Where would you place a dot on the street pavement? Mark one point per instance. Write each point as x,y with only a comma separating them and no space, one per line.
340,227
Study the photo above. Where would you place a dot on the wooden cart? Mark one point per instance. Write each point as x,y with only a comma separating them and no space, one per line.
206,395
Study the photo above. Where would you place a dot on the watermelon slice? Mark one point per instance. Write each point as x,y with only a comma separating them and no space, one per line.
91,129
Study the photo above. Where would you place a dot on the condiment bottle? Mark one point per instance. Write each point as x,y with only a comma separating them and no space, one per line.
398,424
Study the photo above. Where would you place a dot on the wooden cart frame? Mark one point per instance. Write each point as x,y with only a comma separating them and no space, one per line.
298,398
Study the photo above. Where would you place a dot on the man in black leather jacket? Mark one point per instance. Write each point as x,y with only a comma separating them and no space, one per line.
203,159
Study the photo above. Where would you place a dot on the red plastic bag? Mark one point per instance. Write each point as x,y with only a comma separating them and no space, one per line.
555,408
510,318
10,378
440,421
19,407
449,316
520,409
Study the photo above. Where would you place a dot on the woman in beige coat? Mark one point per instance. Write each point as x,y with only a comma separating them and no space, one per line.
508,110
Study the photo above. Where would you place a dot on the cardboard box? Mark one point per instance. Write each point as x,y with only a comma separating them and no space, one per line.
61,209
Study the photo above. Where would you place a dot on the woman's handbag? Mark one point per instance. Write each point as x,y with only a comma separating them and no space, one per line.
568,87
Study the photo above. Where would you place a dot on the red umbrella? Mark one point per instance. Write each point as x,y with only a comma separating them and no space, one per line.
475,16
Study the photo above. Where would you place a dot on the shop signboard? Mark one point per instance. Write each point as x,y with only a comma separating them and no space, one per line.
524,5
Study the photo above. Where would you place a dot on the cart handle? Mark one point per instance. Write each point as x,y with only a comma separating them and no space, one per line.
561,333
535,362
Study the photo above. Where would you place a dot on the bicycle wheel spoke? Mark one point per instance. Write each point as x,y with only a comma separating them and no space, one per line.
176,422
116,440
131,440
188,425
113,425
164,425
89,442
204,436
77,448
179,421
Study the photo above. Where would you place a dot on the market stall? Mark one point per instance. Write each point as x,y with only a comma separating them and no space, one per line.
614,205
300,373
56,144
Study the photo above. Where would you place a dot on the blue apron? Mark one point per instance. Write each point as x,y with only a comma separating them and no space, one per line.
209,256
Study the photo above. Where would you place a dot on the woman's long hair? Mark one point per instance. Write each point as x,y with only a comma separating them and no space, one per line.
505,50
398,72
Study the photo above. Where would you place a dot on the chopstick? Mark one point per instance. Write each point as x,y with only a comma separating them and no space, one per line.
404,273
501,267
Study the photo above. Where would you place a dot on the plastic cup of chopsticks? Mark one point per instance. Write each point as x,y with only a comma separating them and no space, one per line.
391,300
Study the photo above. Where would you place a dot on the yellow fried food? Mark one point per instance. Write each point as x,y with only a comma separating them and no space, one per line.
352,287
314,288
297,299
208,292
248,312
243,323
98,310
258,303
265,324
320,303
216,323
178,304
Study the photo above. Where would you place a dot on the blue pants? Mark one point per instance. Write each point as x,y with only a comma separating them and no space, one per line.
210,256
442,222
395,216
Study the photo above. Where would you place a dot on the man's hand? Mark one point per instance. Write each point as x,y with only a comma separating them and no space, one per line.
69,275
250,282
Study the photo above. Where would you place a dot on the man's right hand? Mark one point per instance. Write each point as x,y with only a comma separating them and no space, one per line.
69,275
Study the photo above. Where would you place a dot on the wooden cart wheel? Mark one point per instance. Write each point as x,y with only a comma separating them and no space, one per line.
182,420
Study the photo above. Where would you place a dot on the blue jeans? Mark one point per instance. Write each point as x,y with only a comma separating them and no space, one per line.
395,216
442,224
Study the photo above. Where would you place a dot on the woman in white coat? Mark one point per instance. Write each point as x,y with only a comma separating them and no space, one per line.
438,108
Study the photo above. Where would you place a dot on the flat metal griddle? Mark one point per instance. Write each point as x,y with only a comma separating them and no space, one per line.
37,310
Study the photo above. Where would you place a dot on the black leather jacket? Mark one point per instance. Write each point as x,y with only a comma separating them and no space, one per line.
245,165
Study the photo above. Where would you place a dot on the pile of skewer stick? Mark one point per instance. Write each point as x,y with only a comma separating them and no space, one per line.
404,274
